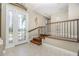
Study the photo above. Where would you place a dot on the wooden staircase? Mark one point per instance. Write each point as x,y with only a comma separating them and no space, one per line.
38,40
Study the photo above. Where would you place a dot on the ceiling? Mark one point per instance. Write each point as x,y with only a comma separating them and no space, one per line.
48,9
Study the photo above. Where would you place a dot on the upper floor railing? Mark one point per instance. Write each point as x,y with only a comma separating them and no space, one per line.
67,30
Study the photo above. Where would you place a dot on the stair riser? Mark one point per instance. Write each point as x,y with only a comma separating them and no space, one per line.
38,43
37,40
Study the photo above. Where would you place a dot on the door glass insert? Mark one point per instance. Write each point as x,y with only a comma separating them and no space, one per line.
10,27
21,27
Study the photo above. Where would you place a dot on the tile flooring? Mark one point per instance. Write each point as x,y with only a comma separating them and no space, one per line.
71,46
30,49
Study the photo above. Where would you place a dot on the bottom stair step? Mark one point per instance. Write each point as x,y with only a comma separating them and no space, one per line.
36,42
37,39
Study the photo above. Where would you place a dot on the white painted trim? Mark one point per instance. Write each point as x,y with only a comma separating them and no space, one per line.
61,49
1,41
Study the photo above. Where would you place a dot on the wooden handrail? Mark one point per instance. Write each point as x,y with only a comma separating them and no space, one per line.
35,28
62,21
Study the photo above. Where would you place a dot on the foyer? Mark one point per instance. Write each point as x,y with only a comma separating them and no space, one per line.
38,29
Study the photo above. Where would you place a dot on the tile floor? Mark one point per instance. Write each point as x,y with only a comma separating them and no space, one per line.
71,46
30,49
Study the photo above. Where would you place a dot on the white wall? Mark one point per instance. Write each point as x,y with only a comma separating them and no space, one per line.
59,16
73,11
32,15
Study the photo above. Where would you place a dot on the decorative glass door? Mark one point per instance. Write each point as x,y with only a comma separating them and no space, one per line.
10,27
16,26
21,28
9,41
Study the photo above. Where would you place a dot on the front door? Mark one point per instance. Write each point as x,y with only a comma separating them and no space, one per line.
16,26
